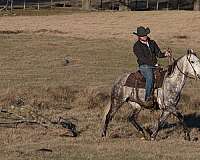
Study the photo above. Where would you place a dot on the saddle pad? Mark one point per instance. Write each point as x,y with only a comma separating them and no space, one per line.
136,79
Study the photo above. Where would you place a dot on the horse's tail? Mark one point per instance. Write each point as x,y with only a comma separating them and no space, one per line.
107,116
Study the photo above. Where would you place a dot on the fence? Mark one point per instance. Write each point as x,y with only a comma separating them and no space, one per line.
33,4
104,4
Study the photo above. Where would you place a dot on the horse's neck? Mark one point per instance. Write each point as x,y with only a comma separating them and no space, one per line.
178,77
173,85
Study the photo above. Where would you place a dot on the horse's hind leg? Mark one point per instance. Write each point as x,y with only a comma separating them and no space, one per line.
132,118
111,109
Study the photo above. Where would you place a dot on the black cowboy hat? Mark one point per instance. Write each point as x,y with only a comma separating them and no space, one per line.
141,31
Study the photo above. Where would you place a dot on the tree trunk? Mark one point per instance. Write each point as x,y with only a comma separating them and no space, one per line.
86,4
178,4
147,4
24,4
101,5
167,5
157,6
11,6
196,5
38,7
136,4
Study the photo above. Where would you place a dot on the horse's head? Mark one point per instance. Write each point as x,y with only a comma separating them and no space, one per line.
193,64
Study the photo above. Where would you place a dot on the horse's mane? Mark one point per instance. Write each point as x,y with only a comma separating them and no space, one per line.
171,67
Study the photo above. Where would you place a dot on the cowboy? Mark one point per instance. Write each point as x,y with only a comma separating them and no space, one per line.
147,52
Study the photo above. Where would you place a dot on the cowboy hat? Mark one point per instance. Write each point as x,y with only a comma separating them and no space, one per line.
141,31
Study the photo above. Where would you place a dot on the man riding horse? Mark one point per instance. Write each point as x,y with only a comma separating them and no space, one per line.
147,52
128,89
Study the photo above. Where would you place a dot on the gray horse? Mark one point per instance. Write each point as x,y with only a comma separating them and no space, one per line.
167,96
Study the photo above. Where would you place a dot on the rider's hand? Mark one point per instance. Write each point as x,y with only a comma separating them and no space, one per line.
168,52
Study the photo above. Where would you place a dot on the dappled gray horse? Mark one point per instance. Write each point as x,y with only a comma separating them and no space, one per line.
167,96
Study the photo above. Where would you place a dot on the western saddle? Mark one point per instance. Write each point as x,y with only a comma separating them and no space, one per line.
136,79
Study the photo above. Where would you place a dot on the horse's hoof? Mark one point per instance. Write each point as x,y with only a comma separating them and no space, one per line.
103,134
187,138
143,138
153,138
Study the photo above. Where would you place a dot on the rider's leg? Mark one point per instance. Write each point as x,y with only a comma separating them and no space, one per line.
147,72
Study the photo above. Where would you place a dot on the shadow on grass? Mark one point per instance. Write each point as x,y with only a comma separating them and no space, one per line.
191,120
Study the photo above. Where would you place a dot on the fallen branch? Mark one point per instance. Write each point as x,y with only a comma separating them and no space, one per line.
46,122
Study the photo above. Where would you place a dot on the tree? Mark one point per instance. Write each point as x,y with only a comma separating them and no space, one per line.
101,5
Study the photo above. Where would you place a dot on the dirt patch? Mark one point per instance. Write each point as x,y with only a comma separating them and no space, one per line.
181,37
50,31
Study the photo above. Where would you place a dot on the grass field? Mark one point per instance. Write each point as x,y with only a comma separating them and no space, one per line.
98,46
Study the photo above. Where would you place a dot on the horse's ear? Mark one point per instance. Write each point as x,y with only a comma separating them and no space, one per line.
190,51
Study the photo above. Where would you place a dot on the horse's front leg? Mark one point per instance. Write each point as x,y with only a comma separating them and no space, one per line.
159,125
185,128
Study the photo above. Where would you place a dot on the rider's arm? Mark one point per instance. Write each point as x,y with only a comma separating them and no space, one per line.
158,52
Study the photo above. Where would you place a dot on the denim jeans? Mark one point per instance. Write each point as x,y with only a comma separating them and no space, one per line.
148,73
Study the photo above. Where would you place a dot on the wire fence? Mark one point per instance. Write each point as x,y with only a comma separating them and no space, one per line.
33,4
105,4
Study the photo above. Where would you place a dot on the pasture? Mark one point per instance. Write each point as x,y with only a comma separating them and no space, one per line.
98,46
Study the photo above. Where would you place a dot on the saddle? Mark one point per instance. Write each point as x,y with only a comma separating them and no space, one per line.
136,79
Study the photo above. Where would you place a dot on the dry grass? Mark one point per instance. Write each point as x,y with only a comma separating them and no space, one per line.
98,47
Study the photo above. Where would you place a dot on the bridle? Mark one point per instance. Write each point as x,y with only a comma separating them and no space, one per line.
187,75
